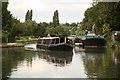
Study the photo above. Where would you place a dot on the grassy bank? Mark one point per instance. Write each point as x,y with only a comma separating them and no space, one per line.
113,44
7,45
20,42
26,39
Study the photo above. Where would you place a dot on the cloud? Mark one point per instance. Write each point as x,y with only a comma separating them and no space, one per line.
23,5
43,9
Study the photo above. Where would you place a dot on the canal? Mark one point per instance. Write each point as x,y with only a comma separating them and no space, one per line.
81,63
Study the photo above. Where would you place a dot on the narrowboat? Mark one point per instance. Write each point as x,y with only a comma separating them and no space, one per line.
55,43
92,40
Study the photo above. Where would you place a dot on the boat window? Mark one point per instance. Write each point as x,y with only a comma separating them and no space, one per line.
46,41
57,41
52,41
39,41
61,40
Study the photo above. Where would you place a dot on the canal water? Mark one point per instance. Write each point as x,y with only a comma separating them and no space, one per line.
29,62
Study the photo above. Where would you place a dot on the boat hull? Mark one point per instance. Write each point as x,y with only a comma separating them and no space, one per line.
94,42
59,47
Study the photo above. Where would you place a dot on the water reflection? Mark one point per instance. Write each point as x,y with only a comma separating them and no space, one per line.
101,63
12,57
97,50
18,60
82,63
60,59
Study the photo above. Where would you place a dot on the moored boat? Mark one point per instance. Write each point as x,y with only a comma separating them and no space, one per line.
95,41
55,43
76,41
92,40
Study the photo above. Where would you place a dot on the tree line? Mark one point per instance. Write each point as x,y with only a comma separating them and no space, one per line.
13,29
103,16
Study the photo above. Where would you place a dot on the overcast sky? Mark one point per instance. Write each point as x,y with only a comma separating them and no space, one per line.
69,10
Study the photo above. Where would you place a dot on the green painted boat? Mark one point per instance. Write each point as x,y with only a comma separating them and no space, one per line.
93,40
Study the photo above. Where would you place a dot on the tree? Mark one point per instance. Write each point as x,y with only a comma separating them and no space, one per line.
29,26
67,24
101,13
18,28
39,31
56,18
73,25
14,30
61,31
6,22
106,29
115,18
29,15
26,16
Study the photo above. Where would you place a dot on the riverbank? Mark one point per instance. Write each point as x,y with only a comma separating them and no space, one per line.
20,42
113,44
109,44
7,45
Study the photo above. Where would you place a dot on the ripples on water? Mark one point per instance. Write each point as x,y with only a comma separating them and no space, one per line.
30,62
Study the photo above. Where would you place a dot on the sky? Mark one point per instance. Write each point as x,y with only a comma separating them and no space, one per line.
43,10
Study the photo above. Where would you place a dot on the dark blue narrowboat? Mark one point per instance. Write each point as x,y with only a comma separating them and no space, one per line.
55,43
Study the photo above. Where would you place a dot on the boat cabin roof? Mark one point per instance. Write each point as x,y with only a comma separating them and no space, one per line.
88,37
49,38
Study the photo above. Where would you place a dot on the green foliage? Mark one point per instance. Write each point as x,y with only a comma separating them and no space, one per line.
100,14
5,36
73,30
6,23
29,26
39,31
61,31
113,43
23,39
73,24
106,29
67,24
80,32
18,28
13,29
6,17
